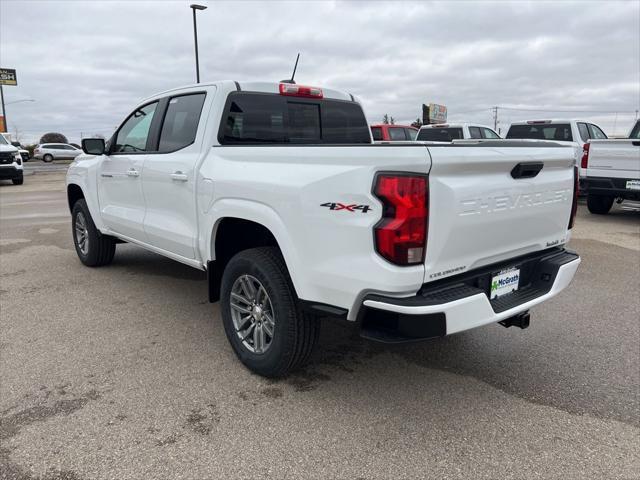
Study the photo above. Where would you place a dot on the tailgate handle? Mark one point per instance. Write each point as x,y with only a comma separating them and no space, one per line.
527,169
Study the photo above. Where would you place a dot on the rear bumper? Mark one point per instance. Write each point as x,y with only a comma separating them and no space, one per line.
614,187
463,302
9,173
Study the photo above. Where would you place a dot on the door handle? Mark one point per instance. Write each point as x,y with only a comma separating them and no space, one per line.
132,172
179,176
106,175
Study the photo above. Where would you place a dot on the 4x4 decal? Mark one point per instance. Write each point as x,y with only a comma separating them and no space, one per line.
349,208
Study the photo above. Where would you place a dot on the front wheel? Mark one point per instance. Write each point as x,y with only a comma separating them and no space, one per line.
599,204
18,181
269,332
93,248
47,158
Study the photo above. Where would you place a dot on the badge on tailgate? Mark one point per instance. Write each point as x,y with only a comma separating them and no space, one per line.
505,282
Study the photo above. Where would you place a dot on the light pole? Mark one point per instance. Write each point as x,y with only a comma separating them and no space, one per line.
195,7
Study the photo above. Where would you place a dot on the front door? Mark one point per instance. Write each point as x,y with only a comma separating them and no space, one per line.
120,175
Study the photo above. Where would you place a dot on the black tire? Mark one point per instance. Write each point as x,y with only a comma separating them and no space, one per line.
599,204
295,332
48,158
18,181
101,248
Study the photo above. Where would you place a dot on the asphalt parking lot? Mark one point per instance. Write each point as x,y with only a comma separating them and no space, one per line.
125,372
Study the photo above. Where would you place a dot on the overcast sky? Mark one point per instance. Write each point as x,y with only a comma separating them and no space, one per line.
86,64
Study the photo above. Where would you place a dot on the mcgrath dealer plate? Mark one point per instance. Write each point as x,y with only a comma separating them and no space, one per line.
505,282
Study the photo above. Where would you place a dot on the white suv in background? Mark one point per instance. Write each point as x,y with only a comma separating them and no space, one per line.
49,152
447,132
10,162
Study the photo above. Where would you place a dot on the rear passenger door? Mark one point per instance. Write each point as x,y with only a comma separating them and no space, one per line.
169,177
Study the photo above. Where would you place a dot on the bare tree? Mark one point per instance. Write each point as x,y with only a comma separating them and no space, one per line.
16,134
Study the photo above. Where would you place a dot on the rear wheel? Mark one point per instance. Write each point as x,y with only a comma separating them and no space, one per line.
93,248
267,329
48,158
599,204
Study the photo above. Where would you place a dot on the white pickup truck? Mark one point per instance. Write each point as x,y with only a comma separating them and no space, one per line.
612,171
278,192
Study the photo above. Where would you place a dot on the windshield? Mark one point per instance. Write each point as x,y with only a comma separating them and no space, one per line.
3,140
635,133
546,131
439,134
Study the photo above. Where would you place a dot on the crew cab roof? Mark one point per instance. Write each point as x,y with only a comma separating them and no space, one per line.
252,86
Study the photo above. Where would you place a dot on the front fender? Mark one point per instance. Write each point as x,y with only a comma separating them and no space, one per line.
82,172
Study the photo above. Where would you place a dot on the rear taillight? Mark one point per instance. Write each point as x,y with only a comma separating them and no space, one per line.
401,234
574,205
584,163
293,90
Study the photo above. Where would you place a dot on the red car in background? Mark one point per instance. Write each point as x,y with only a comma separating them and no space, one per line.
393,133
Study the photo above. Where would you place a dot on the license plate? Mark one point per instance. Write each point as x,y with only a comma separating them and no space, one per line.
505,282
633,184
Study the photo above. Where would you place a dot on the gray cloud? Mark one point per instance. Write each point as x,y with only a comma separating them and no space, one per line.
87,63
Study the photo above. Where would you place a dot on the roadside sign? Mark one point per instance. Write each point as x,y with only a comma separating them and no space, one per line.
437,113
8,77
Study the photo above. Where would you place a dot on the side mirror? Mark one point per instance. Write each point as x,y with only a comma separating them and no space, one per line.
93,146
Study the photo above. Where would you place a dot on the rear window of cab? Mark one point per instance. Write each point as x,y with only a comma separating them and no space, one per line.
439,134
546,131
263,118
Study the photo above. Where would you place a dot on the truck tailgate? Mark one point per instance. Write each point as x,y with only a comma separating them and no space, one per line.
619,158
483,210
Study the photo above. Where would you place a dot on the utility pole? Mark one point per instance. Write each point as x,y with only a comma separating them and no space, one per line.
4,111
495,117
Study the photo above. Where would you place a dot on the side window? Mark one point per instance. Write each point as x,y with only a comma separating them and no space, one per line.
181,122
410,133
396,133
488,133
596,133
377,133
584,132
474,132
132,136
